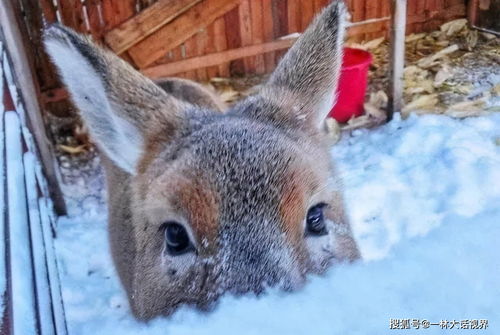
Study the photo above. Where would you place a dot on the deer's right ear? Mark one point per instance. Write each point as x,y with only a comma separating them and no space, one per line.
300,92
118,104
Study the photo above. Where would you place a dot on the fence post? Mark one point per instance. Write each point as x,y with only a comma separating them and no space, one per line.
396,83
15,43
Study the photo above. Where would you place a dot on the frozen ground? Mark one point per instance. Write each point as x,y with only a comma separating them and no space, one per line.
423,196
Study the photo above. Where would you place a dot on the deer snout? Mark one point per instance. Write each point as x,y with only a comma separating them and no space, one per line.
255,267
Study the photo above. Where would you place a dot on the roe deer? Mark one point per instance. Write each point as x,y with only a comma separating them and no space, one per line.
203,202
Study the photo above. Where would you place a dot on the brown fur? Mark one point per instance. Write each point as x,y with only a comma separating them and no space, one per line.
240,183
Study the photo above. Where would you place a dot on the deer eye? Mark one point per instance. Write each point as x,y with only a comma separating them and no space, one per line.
315,220
177,239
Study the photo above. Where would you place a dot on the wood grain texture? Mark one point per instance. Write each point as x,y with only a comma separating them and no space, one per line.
233,39
179,30
212,71
293,16
220,44
280,23
244,15
268,33
190,51
170,69
145,23
306,13
96,25
257,25
201,44
49,11
115,12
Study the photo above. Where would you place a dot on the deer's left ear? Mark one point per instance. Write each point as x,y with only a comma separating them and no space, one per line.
119,105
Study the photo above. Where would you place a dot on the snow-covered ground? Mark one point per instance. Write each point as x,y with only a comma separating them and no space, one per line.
424,200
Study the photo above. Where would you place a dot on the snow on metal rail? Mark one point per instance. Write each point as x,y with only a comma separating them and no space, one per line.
30,295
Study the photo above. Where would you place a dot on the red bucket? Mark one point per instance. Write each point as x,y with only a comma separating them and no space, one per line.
352,85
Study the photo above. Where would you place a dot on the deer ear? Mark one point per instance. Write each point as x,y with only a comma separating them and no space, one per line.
301,91
118,104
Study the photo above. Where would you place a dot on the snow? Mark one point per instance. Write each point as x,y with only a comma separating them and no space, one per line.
422,195
22,287
37,244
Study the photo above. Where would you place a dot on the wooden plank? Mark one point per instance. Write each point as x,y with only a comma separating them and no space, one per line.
358,10
201,44
192,63
212,71
179,30
145,23
306,13
169,69
420,10
385,8
190,51
280,17
115,12
176,56
53,272
72,14
257,33
358,14
369,26
42,67
397,57
371,12
233,39
96,25
21,267
44,304
49,11
293,17
268,34
431,9
280,23
246,33
220,43
411,11
453,12
320,4
29,92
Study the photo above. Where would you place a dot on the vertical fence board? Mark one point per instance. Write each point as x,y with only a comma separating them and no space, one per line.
233,38
190,51
268,33
257,33
280,23
115,12
96,25
49,11
371,12
38,248
220,43
201,45
293,16
306,13
246,33
212,71
52,267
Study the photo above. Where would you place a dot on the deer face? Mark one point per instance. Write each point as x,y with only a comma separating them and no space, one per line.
211,202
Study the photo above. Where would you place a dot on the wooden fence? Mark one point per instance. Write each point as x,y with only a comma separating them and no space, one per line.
200,39
30,294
